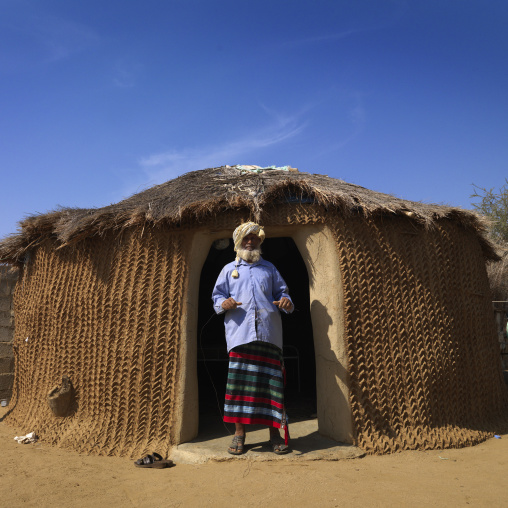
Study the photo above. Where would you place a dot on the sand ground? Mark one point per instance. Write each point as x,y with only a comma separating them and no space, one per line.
40,475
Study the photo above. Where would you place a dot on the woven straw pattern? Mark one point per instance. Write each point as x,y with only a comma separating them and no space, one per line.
278,215
422,351
107,314
293,214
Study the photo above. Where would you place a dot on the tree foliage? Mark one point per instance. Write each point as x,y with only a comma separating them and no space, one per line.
494,205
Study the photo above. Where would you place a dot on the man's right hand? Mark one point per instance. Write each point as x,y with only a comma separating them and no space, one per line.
230,304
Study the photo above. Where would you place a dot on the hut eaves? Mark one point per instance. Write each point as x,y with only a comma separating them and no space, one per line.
200,194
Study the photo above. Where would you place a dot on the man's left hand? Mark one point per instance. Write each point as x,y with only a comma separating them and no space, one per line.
284,304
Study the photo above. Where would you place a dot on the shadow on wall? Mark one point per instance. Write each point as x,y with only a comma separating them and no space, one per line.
332,374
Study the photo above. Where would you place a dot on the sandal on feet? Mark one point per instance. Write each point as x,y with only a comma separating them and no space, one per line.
155,461
278,445
237,444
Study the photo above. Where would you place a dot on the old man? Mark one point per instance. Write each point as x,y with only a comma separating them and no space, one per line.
251,292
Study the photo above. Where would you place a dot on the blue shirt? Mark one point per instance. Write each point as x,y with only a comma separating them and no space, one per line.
257,287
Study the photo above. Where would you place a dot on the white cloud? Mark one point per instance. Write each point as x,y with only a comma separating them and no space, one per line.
357,115
36,38
364,20
160,167
62,37
125,72
350,122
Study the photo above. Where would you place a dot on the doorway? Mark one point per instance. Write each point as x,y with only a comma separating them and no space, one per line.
212,357
201,327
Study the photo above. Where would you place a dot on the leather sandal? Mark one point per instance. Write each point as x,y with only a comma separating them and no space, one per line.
278,445
155,461
237,445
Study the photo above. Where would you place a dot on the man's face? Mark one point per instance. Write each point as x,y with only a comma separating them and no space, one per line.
251,242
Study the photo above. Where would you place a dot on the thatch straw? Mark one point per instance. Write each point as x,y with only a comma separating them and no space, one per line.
199,194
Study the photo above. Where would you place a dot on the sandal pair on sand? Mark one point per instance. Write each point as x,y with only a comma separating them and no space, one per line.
154,461
238,444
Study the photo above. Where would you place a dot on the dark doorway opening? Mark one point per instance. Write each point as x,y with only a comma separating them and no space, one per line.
300,362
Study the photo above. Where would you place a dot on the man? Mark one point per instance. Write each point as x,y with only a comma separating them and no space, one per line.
251,292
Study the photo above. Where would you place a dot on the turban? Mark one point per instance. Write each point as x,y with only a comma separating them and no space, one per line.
240,233
246,229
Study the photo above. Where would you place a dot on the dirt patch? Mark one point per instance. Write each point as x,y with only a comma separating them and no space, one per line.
40,475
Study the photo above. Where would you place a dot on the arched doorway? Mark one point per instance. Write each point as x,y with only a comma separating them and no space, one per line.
317,246
212,358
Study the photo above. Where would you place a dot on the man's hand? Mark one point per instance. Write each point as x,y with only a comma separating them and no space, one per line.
230,304
284,304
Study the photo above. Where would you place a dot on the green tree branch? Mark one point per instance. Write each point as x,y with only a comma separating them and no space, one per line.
494,205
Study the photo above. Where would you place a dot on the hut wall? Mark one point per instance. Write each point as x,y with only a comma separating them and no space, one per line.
8,280
420,341
423,354
106,314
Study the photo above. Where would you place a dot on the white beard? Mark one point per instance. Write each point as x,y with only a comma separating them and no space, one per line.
251,256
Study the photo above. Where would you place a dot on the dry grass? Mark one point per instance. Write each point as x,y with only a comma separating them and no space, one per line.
198,194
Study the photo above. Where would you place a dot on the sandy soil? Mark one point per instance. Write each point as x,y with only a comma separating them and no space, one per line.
39,475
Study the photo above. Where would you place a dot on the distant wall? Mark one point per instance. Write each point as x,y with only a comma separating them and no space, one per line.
500,313
7,282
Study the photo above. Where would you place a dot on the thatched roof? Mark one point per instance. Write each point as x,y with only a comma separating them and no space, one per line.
200,194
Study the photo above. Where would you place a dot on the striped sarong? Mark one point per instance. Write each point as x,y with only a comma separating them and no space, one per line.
255,386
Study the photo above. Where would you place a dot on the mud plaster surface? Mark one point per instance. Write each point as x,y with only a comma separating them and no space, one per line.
40,475
420,341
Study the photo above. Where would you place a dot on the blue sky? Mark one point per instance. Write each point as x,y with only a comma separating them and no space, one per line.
100,100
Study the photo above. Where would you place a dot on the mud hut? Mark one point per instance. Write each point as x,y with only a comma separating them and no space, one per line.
393,297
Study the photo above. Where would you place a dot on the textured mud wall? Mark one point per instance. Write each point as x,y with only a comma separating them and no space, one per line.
107,314
8,280
422,347
422,350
